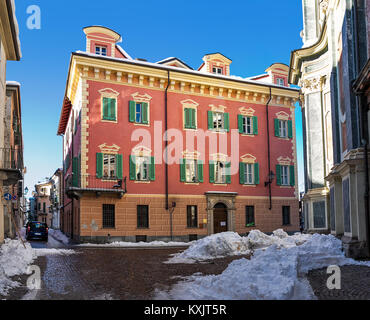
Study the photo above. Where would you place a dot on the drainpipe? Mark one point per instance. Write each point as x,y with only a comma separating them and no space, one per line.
268,148
166,150
364,136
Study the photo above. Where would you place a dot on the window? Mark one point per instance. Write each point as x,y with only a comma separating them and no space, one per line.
109,166
109,109
280,81
248,173
285,175
217,70
191,169
139,112
286,215
283,128
101,50
190,118
143,217
247,125
249,216
108,216
218,121
142,168
192,216
220,174
44,207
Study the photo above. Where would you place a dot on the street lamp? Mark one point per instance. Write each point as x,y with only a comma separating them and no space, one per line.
270,178
25,190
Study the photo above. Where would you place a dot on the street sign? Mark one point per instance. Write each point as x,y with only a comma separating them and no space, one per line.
14,197
7,196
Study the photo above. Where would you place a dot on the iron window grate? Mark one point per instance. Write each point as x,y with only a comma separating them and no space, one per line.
108,216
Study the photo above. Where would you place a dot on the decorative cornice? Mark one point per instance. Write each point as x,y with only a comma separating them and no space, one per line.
248,158
114,149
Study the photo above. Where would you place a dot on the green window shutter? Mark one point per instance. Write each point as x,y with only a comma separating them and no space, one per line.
79,169
119,166
277,131
256,173
255,125
182,170
132,106
187,118
228,172
227,122
242,172
132,168
113,109
278,175
200,171
193,118
292,177
290,129
210,120
99,165
152,169
145,112
211,171
75,171
240,123
105,108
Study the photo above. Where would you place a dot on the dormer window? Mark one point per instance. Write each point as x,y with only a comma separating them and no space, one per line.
280,81
101,50
217,70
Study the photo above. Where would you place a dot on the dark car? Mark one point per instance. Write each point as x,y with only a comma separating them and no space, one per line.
37,230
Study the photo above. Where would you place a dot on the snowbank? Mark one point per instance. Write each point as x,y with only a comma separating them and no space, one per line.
57,234
275,272
46,252
14,260
230,243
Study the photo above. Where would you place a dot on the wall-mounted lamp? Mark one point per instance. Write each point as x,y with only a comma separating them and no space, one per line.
270,178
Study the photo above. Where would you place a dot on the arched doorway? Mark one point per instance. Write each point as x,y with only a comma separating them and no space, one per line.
220,218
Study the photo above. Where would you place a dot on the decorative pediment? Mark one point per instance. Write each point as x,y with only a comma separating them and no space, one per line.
219,157
219,108
189,103
284,161
109,93
141,151
141,97
247,111
282,115
104,148
195,155
248,158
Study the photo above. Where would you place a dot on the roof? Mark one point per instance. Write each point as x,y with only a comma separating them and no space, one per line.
170,59
210,54
91,29
120,49
64,116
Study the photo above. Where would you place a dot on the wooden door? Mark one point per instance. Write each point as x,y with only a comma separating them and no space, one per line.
220,218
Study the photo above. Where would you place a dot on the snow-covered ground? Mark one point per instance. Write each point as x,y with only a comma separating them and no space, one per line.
276,269
122,244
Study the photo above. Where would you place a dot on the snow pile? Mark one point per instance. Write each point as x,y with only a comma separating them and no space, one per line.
14,260
123,244
273,273
215,246
230,243
46,252
57,234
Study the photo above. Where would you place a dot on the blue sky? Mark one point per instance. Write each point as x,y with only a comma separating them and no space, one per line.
254,34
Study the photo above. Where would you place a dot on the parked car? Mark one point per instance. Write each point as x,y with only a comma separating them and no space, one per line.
37,230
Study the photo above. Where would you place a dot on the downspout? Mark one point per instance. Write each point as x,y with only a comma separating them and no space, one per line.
73,200
364,136
166,150
268,149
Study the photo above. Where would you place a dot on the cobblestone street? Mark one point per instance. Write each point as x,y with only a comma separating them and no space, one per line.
130,274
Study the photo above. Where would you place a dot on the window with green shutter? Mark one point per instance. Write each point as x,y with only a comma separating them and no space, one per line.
212,171
109,166
218,121
290,129
278,175
99,165
132,168
248,125
139,112
292,176
190,118
75,173
109,109
277,127
142,168
152,169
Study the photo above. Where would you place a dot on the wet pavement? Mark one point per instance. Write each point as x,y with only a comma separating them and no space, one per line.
135,273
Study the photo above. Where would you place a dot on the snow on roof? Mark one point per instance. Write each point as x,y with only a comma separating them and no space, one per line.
13,83
165,67
123,52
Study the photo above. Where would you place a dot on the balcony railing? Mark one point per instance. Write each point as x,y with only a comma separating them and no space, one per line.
92,183
11,159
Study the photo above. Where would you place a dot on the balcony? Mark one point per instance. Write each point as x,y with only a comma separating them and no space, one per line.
77,185
11,165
